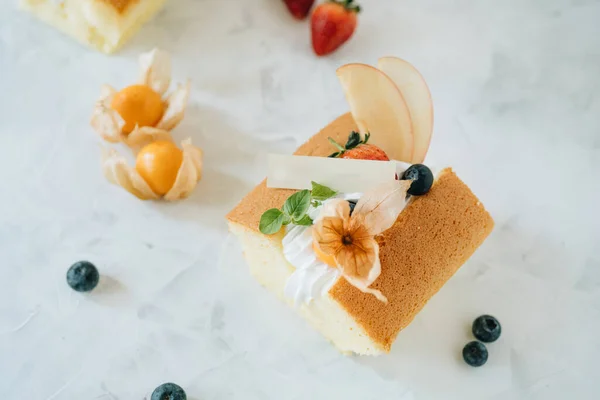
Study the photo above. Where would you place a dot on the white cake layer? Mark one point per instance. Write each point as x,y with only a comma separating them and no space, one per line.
271,269
93,22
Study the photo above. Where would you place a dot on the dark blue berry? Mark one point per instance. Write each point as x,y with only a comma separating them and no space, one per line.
352,204
422,178
83,276
475,354
168,391
487,329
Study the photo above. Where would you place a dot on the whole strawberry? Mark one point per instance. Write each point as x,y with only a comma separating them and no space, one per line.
332,24
358,149
299,8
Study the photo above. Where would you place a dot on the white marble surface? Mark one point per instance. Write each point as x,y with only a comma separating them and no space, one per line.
516,86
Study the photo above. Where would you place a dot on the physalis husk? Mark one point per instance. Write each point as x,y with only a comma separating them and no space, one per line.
142,113
162,171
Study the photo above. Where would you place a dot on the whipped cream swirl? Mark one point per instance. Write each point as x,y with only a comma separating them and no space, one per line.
312,277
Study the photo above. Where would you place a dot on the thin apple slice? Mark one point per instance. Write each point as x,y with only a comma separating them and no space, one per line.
418,99
378,107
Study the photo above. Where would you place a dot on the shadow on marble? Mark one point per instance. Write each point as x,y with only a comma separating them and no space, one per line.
516,247
203,206
153,313
202,21
222,137
167,35
219,190
110,292
232,160
514,270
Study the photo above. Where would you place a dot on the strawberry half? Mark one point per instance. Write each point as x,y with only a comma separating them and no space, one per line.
332,24
299,8
358,149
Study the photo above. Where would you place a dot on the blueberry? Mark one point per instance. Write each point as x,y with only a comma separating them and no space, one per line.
352,204
422,178
83,276
168,391
475,354
487,329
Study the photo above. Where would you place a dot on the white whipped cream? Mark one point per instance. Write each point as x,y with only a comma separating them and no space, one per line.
312,277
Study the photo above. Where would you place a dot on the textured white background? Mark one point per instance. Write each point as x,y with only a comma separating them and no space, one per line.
516,86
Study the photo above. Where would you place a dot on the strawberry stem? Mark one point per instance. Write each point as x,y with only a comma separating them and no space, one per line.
354,141
336,144
367,136
348,5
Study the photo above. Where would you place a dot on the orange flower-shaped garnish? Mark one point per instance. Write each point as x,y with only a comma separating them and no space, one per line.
350,239
141,113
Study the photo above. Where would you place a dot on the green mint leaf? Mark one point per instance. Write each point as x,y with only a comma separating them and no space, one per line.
335,155
297,204
320,192
304,221
353,140
286,219
315,203
271,221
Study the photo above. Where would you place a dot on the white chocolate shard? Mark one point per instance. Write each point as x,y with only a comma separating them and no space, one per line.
155,70
343,175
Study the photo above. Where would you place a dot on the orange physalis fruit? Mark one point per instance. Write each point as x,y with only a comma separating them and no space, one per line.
138,105
158,164
350,239
326,258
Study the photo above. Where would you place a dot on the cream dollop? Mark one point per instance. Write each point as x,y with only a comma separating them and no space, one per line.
312,277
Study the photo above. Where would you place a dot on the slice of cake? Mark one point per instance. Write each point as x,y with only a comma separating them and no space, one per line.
433,236
360,267
102,24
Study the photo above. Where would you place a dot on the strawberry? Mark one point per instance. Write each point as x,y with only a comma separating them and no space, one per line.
366,152
299,8
332,24
358,149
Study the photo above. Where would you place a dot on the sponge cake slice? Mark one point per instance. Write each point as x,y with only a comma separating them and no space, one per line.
102,24
434,235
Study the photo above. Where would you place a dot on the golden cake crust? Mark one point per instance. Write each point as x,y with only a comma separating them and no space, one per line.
433,236
120,5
